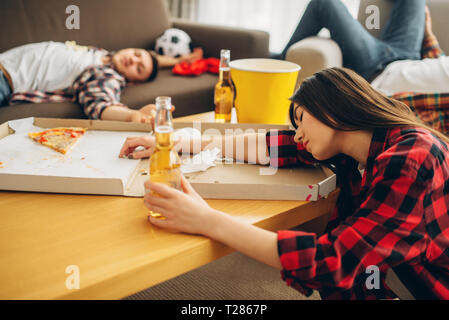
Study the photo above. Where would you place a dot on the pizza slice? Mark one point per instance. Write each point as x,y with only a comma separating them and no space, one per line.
59,139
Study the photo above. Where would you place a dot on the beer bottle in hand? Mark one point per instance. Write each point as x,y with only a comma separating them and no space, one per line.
164,163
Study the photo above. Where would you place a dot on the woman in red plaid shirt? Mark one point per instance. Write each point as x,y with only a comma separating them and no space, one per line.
394,216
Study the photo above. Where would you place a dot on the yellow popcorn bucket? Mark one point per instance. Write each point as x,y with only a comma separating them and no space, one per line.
263,87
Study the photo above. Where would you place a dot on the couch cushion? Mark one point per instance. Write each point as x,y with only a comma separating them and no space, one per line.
45,110
189,94
111,24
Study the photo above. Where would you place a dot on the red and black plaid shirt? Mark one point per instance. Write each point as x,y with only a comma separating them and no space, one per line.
395,216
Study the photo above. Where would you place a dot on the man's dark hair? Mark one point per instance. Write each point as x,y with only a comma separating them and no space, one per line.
155,66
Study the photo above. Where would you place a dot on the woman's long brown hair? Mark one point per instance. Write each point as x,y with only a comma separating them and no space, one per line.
343,100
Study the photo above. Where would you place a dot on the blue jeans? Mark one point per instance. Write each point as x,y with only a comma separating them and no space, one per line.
400,39
5,90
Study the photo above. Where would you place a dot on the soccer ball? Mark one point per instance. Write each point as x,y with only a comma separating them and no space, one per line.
174,43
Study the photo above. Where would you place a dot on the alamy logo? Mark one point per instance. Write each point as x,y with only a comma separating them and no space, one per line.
373,280
373,21
73,20
72,281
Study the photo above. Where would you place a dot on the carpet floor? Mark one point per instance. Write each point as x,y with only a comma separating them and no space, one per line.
233,277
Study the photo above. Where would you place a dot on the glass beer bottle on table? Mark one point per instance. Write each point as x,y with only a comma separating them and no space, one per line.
224,89
164,162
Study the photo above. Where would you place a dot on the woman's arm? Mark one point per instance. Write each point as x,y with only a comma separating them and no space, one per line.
252,241
250,147
186,211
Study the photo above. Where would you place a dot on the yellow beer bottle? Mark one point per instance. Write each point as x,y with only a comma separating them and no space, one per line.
164,163
224,89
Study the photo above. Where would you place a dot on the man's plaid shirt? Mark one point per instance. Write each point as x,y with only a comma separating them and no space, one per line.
395,216
95,89
432,108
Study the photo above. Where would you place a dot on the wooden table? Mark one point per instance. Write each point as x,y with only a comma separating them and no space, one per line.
109,241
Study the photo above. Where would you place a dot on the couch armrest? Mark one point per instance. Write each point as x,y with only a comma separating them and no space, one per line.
314,54
243,43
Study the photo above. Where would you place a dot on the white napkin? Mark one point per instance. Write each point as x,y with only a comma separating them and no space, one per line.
201,161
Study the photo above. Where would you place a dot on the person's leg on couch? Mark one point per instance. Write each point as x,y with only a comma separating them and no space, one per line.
361,51
401,38
404,30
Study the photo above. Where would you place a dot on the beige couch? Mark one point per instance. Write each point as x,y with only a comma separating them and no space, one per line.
316,53
117,24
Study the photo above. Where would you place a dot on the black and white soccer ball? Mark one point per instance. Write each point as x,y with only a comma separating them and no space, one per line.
173,43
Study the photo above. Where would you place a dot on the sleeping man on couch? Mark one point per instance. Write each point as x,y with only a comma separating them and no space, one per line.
94,78
406,63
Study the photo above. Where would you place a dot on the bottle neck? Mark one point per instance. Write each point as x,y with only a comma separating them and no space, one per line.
163,119
164,138
163,123
225,70
163,111
225,74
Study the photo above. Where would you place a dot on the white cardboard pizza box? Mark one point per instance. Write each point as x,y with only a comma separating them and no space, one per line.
93,166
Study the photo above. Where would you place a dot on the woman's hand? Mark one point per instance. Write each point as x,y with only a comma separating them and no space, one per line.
131,143
183,211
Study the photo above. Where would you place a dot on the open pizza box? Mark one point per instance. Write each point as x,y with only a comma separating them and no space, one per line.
93,165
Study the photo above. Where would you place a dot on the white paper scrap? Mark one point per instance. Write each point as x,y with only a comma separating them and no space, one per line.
201,161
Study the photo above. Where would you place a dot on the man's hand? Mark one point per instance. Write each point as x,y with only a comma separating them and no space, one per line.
167,61
146,114
196,54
